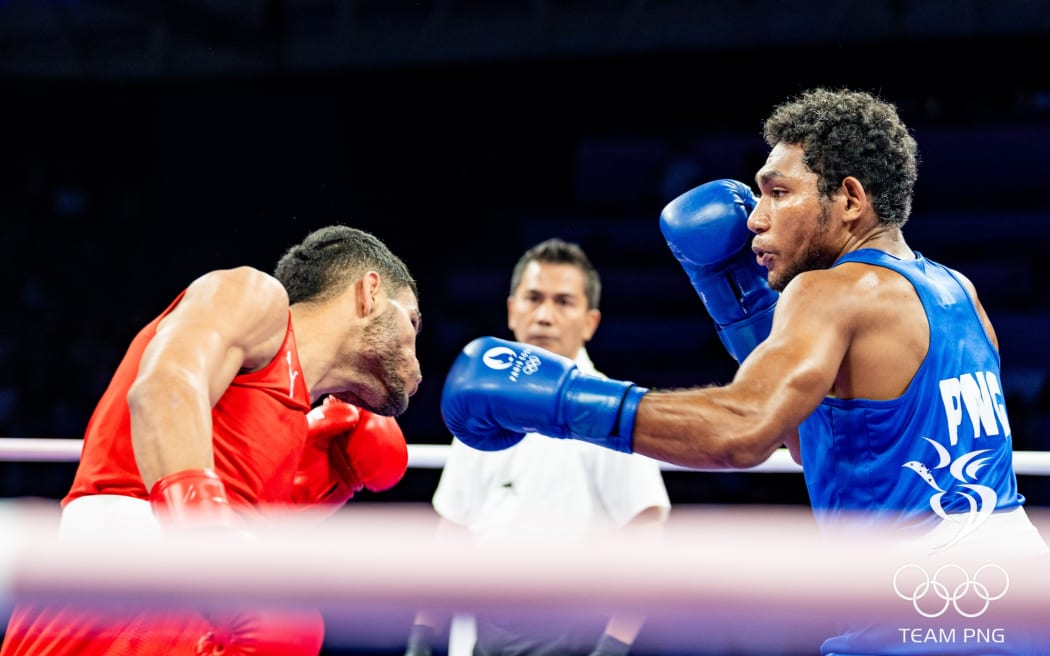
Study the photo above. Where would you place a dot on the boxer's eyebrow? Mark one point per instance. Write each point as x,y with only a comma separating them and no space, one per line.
765,177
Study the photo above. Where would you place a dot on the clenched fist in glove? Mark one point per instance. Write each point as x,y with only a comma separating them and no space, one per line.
498,390
706,230
347,449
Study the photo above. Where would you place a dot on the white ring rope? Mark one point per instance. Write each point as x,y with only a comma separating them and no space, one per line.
432,456
754,577
735,579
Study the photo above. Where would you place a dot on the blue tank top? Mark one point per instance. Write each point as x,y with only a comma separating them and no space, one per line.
941,448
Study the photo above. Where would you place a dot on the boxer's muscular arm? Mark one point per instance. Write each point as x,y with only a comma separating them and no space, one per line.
779,384
852,331
855,331
228,321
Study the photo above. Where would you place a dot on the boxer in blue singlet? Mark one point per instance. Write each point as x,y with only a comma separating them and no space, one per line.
877,368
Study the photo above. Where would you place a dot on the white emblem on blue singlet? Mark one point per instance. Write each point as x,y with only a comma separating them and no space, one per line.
964,469
977,397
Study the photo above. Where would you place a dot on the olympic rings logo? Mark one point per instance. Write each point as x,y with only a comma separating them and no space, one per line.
531,365
951,584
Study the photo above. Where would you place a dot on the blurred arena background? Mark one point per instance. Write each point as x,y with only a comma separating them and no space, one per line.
145,142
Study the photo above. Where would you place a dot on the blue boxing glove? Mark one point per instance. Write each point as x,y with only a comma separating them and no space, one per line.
706,230
498,390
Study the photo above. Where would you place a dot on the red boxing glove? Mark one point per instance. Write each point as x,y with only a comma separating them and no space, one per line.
347,449
263,633
376,452
192,498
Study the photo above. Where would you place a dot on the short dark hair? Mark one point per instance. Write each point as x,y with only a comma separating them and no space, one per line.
851,133
558,251
329,258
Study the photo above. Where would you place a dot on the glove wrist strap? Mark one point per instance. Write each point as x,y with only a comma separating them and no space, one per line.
742,337
192,498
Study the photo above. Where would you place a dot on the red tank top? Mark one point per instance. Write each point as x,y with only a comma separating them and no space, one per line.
258,430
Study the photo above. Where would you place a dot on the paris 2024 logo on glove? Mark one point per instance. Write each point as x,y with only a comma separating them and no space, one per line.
499,358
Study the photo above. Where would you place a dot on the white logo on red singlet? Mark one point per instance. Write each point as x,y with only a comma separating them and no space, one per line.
292,373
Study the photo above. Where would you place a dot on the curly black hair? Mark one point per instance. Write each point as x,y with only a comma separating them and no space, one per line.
844,133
